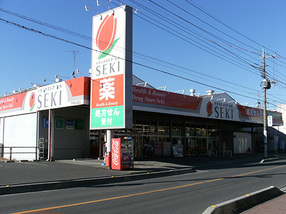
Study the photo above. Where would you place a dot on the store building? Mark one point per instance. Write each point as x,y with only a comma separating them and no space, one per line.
57,116
51,119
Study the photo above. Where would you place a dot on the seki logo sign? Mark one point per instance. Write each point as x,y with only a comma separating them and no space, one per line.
109,43
220,110
46,97
105,35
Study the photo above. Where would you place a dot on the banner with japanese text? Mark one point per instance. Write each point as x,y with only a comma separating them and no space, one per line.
73,92
111,70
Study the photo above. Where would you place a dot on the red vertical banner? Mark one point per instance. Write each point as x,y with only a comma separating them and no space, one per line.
116,153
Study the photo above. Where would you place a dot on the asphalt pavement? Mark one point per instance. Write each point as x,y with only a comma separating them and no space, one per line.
18,177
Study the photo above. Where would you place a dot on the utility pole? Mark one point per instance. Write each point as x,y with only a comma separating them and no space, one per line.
264,108
266,84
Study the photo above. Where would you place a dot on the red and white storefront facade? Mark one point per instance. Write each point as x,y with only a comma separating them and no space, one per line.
59,114
54,113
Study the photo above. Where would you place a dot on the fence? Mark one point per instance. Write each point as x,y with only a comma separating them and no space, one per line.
19,150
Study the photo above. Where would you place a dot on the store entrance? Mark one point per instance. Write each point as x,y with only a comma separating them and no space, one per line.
96,144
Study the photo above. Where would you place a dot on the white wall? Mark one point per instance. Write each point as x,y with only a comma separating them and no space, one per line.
20,131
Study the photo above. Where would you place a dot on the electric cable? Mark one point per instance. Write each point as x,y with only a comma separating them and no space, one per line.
189,42
76,34
139,64
176,5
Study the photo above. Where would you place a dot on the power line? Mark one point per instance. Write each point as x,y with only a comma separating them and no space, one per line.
167,29
89,38
136,63
207,23
67,31
218,20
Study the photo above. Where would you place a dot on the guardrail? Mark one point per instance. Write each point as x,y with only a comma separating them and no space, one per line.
11,152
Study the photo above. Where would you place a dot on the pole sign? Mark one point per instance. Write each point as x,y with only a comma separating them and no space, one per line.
111,70
270,120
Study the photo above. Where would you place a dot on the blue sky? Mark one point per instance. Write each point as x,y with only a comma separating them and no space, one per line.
208,53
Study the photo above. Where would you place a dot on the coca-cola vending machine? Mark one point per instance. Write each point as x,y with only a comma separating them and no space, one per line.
122,153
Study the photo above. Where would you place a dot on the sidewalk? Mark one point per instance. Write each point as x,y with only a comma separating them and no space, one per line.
274,206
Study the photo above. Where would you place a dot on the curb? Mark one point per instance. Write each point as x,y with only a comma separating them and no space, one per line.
272,159
62,184
244,202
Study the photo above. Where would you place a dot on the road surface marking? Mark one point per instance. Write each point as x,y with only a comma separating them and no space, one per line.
145,193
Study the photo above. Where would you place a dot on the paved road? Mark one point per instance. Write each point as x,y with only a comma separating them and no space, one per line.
188,193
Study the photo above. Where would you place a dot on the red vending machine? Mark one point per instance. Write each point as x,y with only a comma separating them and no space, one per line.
122,153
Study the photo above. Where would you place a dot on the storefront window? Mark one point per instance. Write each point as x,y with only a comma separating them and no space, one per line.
204,132
148,148
129,132
150,134
146,128
175,130
153,128
212,132
120,132
188,130
162,128
192,132
138,127
198,132
138,148
180,129
167,129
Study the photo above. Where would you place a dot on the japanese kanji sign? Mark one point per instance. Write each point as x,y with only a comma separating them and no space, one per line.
107,106
111,76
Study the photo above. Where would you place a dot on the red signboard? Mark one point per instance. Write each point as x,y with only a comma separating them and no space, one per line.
107,92
116,153
251,113
79,86
164,98
13,101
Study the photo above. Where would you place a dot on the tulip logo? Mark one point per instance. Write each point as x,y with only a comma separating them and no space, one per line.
106,35
32,101
209,108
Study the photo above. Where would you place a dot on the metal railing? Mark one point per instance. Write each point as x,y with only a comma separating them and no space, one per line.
11,152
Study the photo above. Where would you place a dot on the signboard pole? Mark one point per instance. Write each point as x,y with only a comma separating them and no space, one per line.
109,134
51,135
